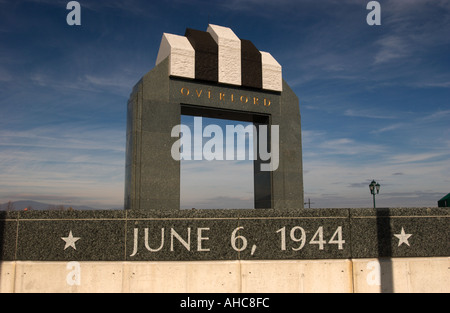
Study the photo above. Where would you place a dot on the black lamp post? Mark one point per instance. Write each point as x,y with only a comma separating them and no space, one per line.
374,189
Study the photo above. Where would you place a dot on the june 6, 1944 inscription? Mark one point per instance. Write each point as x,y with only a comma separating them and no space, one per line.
224,234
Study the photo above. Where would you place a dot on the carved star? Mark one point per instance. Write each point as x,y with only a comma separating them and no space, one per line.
70,241
403,237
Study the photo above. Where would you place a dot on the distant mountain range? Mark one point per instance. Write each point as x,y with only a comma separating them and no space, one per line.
34,205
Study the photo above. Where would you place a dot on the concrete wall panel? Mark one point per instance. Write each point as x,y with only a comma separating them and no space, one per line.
405,275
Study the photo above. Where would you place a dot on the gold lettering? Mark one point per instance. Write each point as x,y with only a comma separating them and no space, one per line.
186,91
223,97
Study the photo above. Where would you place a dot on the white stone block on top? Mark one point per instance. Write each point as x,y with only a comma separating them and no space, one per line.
229,54
271,72
181,53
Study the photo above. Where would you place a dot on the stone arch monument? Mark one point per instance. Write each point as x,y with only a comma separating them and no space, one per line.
210,74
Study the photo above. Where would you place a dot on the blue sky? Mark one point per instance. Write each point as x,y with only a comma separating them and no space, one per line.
216,184
374,100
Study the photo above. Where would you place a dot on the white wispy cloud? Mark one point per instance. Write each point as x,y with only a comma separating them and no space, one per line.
71,137
434,116
119,80
387,128
442,84
115,80
391,47
318,144
412,158
348,146
414,27
81,163
366,114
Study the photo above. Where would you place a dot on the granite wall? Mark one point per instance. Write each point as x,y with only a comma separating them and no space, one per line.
189,235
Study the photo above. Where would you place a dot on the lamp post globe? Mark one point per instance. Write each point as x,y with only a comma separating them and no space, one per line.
374,188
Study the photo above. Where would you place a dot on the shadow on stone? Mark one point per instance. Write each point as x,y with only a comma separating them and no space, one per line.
385,250
2,230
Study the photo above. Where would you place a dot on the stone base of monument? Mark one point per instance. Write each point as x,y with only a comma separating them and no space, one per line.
311,250
421,275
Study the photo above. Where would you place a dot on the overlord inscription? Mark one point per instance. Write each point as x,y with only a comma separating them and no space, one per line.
225,96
